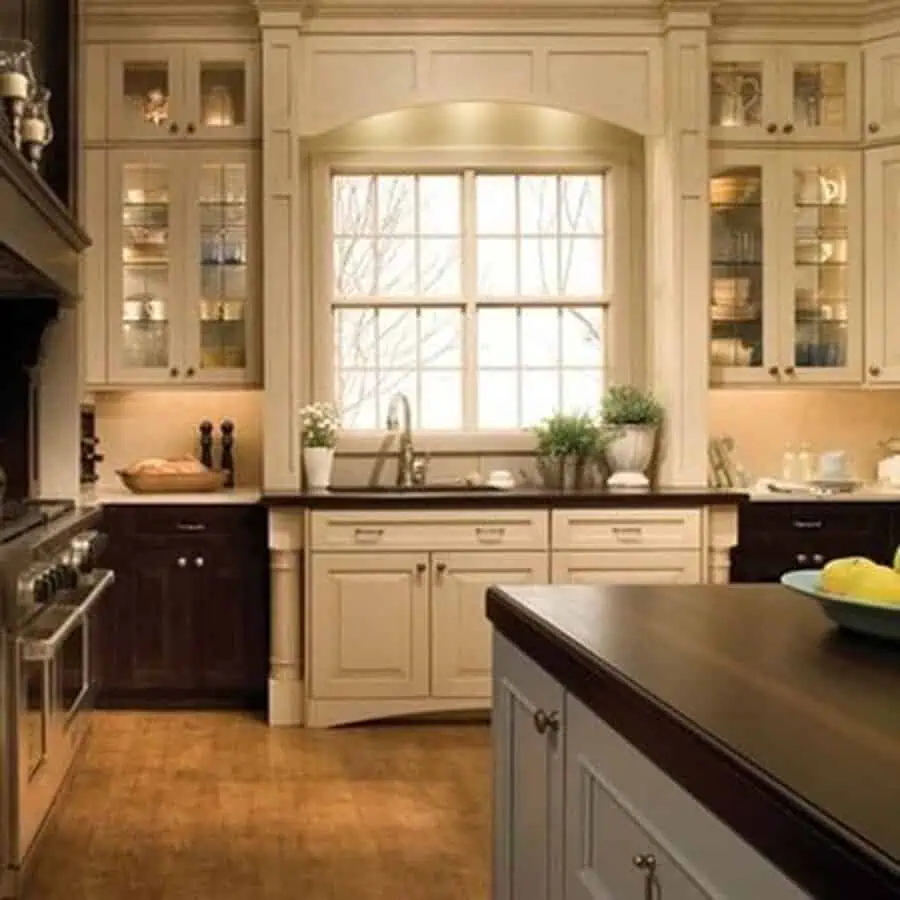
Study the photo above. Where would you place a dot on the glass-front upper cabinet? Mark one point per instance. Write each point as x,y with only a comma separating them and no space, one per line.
183,289
182,92
793,94
785,288
223,284
143,239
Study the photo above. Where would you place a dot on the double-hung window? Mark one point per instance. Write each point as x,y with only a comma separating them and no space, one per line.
483,296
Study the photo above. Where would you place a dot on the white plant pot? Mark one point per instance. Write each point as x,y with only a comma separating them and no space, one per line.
318,462
629,455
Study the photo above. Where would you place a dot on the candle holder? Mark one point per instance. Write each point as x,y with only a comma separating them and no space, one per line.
35,127
17,82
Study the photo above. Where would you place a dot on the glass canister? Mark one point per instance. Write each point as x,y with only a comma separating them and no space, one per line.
36,129
17,81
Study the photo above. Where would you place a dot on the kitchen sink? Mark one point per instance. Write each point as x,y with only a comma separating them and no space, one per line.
415,489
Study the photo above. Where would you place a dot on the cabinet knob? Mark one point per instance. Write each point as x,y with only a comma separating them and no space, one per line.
182,562
874,371
440,568
771,128
198,562
191,128
544,721
818,559
420,568
646,863
173,371
190,372
173,128
874,128
801,558
789,370
773,371
788,129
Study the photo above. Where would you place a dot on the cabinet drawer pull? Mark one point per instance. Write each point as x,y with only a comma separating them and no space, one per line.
544,721
628,534
440,568
801,558
368,535
198,562
181,562
489,535
646,863
190,526
818,558
420,569
807,523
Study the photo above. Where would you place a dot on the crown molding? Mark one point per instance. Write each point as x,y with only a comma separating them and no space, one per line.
169,13
802,13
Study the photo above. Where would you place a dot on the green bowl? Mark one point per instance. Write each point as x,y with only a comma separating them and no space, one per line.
880,620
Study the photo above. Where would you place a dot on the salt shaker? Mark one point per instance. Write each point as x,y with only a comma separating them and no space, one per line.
206,443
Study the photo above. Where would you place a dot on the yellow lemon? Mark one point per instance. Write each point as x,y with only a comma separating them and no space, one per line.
840,575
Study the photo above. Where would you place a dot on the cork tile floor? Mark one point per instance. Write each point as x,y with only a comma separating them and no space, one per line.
189,806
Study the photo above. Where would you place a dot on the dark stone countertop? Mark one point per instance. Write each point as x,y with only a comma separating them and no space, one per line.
783,726
349,498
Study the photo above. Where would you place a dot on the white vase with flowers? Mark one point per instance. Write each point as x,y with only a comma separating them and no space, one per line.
320,426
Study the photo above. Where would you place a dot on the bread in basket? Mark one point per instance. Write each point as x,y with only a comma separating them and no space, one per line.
156,475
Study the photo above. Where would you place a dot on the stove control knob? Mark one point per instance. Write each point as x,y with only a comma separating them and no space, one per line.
43,587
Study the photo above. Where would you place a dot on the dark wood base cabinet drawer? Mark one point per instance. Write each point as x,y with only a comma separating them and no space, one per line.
187,624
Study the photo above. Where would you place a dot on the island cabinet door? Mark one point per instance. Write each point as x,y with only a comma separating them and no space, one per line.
630,831
368,625
529,738
460,630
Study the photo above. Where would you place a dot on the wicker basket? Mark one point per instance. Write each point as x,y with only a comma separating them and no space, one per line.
181,483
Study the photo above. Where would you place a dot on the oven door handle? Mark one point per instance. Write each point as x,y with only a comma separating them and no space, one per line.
38,650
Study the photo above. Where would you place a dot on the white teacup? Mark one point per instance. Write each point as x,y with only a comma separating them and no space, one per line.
833,465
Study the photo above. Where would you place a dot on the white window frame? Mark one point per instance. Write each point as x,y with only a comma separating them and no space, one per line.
623,235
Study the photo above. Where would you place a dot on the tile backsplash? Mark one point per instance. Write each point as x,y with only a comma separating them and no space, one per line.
763,422
137,424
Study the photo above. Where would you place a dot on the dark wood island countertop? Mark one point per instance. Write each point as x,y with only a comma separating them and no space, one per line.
783,726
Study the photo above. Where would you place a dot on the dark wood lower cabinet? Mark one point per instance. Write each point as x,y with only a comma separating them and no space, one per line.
187,623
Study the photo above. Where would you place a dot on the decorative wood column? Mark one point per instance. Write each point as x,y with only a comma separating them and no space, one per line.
678,247
286,659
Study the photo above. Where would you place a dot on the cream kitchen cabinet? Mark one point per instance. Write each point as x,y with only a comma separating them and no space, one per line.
369,625
882,275
627,567
769,93
882,90
179,92
460,632
173,284
786,278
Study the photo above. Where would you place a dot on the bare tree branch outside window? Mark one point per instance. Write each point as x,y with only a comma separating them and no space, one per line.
400,310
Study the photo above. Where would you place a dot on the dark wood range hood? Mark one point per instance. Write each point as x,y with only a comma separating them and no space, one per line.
39,247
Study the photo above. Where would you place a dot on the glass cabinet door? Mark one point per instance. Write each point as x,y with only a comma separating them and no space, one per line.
823,90
738,318
825,318
220,87
144,85
144,278
743,88
222,291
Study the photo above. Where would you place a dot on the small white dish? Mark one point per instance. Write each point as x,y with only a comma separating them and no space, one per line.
502,479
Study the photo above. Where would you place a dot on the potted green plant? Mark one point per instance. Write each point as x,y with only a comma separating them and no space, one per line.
566,443
320,426
631,417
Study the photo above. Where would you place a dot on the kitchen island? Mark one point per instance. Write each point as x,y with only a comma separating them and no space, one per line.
688,742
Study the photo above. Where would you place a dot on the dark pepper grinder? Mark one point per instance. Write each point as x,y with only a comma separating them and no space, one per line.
227,429
206,443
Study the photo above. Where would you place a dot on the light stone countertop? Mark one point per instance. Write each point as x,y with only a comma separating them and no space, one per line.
867,493
119,495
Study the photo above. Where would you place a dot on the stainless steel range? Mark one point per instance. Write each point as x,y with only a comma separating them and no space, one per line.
50,587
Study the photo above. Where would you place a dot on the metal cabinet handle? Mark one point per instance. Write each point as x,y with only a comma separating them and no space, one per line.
182,562
489,535
818,558
198,562
190,526
440,568
773,370
191,128
874,371
771,128
544,721
173,128
646,863
174,371
807,523
788,370
367,535
874,128
801,558
420,568
788,129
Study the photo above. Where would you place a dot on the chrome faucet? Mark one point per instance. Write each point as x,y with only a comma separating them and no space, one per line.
410,468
